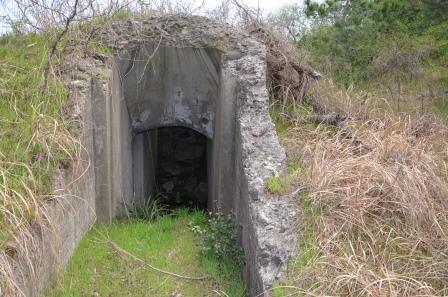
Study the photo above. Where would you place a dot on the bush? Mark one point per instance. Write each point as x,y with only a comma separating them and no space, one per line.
219,238
347,38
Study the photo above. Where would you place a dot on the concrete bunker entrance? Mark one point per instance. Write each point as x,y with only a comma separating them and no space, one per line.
213,82
200,77
171,130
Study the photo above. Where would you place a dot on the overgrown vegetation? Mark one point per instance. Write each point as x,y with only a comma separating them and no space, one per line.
381,41
34,140
375,182
97,269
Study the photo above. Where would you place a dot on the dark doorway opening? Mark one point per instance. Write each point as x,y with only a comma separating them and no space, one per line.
181,174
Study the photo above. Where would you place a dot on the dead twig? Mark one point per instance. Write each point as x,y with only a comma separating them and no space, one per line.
123,252
57,40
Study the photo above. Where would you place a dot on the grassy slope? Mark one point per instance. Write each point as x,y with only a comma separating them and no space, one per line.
168,243
33,140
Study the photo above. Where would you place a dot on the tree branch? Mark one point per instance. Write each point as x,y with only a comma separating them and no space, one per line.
57,40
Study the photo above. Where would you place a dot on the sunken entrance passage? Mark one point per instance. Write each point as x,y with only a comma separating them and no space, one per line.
184,112
181,172
172,135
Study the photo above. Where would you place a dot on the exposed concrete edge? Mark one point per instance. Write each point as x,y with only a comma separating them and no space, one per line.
272,238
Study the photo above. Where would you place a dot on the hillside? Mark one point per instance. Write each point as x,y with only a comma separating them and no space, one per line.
371,172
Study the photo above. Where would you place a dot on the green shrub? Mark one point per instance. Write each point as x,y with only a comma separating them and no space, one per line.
219,238
347,37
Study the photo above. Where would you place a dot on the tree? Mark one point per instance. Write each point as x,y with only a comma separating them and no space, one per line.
290,20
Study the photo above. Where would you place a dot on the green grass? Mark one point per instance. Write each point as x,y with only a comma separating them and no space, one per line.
288,132
168,243
279,184
33,140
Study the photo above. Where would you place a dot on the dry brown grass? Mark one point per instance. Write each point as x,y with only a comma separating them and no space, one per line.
22,207
378,201
375,217
361,105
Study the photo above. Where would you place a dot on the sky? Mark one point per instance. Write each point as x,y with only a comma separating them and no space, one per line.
267,6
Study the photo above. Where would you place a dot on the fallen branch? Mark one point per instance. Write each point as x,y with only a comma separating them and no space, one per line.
333,119
305,69
122,252
329,119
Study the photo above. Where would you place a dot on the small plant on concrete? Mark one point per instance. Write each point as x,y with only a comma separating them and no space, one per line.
219,238
278,184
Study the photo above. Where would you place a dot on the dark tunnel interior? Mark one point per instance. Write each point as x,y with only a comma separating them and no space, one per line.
181,172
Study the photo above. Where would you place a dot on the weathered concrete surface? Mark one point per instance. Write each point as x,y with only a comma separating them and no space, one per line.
168,86
268,223
144,153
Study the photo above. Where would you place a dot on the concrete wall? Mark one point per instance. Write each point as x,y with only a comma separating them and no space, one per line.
169,86
113,138
144,153
266,224
101,150
222,157
120,143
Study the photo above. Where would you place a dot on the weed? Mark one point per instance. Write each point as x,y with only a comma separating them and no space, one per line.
219,238
34,140
278,184
149,209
